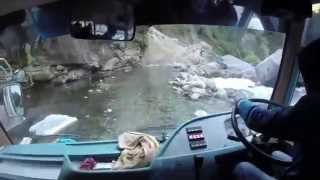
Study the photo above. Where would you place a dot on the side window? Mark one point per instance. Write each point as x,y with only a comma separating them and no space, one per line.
312,30
299,91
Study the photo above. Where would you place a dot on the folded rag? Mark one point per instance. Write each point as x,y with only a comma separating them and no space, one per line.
139,149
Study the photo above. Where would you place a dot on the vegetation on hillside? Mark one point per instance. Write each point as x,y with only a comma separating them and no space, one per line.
250,45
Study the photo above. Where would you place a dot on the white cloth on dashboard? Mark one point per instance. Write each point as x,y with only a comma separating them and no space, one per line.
139,149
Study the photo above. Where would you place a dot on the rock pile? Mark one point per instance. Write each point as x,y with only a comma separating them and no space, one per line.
57,74
193,86
202,74
196,80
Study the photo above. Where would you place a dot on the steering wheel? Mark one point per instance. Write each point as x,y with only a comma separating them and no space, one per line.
249,145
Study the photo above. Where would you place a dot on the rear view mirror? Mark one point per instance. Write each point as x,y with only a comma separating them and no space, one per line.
107,20
12,96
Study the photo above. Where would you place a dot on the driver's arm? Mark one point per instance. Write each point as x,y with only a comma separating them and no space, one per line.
288,123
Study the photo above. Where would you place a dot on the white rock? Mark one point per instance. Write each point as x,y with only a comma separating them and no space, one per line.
59,68
195,96
174,83
40,73
186,87
104,86
98,90
85,97
179,91
71,76
212,69
184,75
93,60
200,113
127,69
211,84
198,91
76,74
26,140
221,94
90,90
52,124
111,64
109,110
194,70
198,83
238,68
87,116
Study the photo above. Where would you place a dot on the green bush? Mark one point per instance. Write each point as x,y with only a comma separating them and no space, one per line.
251,58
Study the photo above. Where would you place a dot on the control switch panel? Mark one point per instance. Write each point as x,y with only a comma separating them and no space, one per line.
196,138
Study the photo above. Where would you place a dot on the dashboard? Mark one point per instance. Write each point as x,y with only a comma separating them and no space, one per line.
190,152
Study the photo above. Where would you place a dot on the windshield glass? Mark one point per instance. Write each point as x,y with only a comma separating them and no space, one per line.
168,75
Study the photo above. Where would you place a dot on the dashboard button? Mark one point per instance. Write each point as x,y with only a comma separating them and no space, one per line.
191,130
198,144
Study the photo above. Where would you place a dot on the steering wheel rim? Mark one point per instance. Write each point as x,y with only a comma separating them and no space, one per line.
248,144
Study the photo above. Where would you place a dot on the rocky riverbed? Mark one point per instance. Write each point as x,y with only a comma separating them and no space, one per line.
140,100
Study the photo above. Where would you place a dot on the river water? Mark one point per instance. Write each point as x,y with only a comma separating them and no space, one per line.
140,100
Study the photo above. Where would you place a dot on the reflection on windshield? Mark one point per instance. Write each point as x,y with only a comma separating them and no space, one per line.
166,76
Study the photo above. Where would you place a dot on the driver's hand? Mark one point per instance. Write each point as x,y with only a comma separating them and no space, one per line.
244,107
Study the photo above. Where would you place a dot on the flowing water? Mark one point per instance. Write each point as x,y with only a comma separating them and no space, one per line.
141,100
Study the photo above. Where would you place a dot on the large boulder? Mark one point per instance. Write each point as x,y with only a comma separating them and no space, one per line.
212,69
237,68
67,50
111,64
162,49
267,70
72,75
40,73
196,54
210,83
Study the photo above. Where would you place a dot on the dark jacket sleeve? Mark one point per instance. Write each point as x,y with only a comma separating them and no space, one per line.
287,123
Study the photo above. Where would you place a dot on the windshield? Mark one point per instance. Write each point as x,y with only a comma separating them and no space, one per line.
169,74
